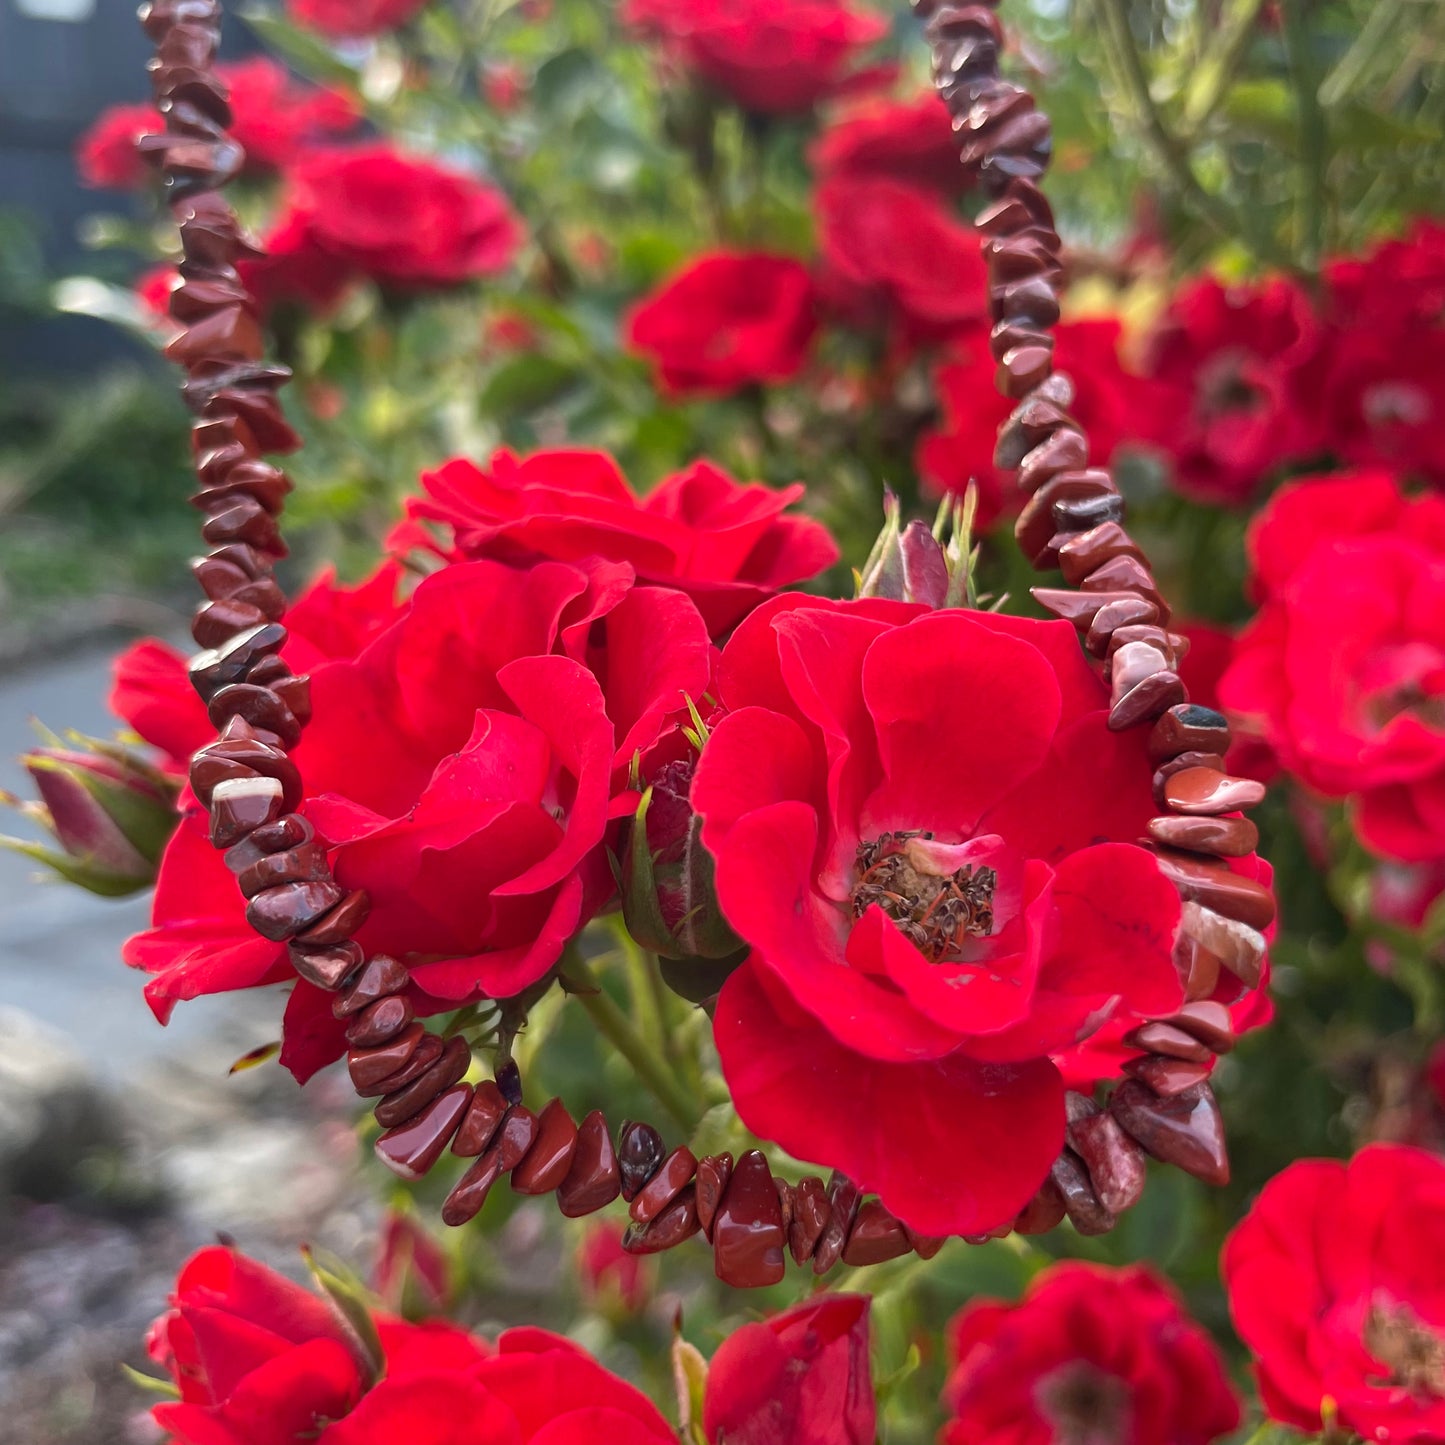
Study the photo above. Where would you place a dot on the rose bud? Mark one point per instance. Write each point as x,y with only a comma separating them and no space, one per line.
668,898
411,1268
913,563
800,1378
110,812
613,1281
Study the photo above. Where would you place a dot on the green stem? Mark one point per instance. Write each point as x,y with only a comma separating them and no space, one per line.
614,1025
644,989
1314,139
1168,149
1219,65
1355,63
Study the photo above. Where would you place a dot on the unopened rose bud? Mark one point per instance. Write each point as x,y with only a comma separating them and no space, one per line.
412,1272
907,563
110,812
613,1281
668,897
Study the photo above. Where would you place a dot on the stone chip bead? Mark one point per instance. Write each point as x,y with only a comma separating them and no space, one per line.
1190,727
291,909
340,922
594,1178
241,805
306,864
1167,1076
1224,837
1185,1130
508,1148
379,1022
1202,791
1159,1037
811,1212
381,975
844,1197
550,1157
677,1222
1208,1021
1115,1163
449,1069
488,1109
640,1152
713,1173
876,1236
1213,884
747,1232
428,1050
412,1148
676,1171
1086,1211
328,968
1238,947
1045,1211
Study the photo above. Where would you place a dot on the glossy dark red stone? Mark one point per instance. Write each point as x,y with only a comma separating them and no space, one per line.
306,864
747,1231
508,1148
1222,836
412,1148
677,1222
1157,1037
488,1110
593,1178
1185,1130
342,921
1209,1022
1240,948
1045,1211
241,805
1188,727
383,1020
1202,790
876,1236
1166,1076
811,1212
1147,700
844,1197
713,1173
327,968
665,1185
1114,1162
428,1051
401,1104
550,1157
1085,1209
371,1065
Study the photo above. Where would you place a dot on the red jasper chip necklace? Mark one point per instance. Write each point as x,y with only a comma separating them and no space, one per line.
1072,521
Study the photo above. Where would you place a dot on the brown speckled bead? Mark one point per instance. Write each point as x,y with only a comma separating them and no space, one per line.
1198,967
340,922
327,968
306,864
1083,552
370,1065
1086,1211
593,1178
747,1230
1185,1130
288,910
1123,609
640,1152
1126,574
1114,1162
549,1159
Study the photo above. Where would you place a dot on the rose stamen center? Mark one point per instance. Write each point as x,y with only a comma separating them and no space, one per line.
1085,1406
935,912
1413,1352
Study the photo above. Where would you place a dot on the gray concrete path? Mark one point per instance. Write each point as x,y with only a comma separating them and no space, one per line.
60,946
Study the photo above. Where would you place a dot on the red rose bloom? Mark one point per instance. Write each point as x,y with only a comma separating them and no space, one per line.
295,269
400,220
1342,673
726,545
273,117
1108,400
1089,1354
925,830
799,1378
463,765
150,690
1335,1283
260,1361
352,19
893,252
770,56
911,141
724,321
106,155
1237,360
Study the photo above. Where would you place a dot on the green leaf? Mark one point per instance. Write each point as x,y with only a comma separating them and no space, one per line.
349,1299
525,384
151,1384
308,52
564,85
689,1378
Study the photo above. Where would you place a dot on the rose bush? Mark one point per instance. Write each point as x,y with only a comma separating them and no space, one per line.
1335,1284
926,832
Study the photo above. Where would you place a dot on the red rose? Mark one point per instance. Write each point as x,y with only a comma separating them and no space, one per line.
1343,670
1088,1354
914,816
1108,403
883,139
894,252
273,117
1398,282
258,1360
799,1378
770,56
1335,1284
352,19
724,321
463,765
106,155
295,268
726,545
1237,360
400,220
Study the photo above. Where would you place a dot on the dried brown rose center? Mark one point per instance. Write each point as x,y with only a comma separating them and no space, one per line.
1412,1352
1085,1406
935,912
